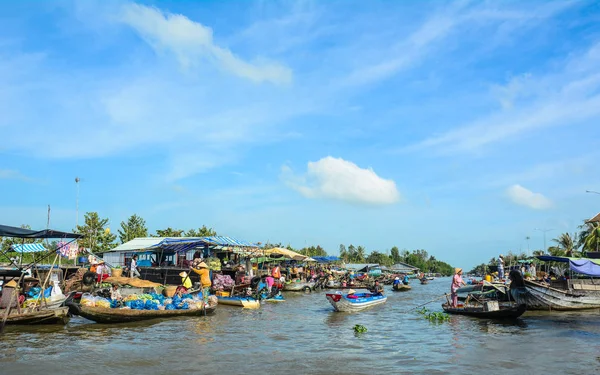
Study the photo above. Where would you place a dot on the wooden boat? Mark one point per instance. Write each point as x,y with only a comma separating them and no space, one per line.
575,295
501,311
298,286
401,288
107,315
245,302
277,298
424,281
59,315
345,303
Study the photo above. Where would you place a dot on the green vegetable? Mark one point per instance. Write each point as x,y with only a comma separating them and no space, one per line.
360,328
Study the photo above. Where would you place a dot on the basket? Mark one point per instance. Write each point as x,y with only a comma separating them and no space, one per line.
169,291
117,272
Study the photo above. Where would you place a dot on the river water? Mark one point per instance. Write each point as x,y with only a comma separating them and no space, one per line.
305,336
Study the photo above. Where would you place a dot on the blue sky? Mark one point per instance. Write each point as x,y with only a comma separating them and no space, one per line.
457,127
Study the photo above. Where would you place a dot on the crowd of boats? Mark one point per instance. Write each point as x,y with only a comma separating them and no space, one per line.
208,271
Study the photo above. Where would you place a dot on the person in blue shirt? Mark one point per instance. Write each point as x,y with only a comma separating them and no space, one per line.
396,281
405,280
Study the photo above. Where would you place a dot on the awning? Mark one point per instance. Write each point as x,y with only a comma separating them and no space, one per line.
585,266
286,253
551,258
326,259
16,232
182,244
29,248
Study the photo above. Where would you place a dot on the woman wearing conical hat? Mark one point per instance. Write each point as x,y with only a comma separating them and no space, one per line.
457,282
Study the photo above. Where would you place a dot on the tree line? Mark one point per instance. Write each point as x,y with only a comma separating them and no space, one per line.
577,244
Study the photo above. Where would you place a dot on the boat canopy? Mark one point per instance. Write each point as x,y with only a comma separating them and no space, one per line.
584,266
16,232
29,248
286,253
182,244
327,259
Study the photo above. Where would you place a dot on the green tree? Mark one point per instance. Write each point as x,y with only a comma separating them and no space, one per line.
360,254
565,243
134,227
96,234
169,232
395,255
313,251
352,253
201,232
343,253
379,258
589,237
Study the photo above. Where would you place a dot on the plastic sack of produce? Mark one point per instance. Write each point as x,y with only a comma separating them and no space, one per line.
131,297
170,307
102,302
34,291
150,305
88,300
183,306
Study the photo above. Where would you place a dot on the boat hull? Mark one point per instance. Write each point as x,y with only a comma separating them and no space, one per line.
58,315
298,287
542,297
341,303
245,302
401,288
511,312
107,315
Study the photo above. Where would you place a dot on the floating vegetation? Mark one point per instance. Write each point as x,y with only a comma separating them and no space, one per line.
436,317
360,328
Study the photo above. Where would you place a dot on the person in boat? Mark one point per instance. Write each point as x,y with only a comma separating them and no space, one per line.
269,280
396,281
405,279
501,267
533,271
204,273
186,282
115,295
102,271
276,273
351,294
377,288
133,269
457,282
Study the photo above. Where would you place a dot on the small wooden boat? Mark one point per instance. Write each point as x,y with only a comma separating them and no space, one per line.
59,315
499,311
424,281
401,287
298,286
108,315
245,302
355,302
277,298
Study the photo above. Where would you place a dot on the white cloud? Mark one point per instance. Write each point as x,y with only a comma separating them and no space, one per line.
10,174
339,179
192,42
525,197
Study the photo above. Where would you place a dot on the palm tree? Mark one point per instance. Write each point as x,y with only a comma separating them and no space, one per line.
343,253
360,253
591,241
565,243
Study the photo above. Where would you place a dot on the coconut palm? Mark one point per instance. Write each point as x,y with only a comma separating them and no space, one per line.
564,243
591,237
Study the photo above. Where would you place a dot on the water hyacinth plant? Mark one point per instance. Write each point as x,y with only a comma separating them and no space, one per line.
360,328
436,317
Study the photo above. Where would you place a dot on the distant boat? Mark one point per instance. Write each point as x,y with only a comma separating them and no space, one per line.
245,302
355,302
58,315
424,281
497,311
401,287
298,286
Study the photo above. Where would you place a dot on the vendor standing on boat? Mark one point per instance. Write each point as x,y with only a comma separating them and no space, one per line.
204,273
457,282
276,272
501,267
406,279
133,270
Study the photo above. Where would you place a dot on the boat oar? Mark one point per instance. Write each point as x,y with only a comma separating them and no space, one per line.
427,303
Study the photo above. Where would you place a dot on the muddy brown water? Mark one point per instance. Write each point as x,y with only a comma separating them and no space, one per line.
305,336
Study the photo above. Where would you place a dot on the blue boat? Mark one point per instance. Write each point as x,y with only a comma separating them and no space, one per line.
246,302
354,301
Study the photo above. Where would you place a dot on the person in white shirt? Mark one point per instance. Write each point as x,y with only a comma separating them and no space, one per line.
133,270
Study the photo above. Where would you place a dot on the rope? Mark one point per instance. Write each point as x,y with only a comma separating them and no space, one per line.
426,303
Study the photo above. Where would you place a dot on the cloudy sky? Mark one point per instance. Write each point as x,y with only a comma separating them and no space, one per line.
456,127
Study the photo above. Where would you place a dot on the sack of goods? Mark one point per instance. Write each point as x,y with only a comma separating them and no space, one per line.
221,282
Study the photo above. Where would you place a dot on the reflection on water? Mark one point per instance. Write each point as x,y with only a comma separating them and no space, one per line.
304,335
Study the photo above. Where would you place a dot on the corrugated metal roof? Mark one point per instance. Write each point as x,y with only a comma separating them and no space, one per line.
359,266
138,243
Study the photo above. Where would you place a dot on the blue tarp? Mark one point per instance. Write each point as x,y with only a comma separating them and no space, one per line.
326,259
185,244
586,267
29,248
